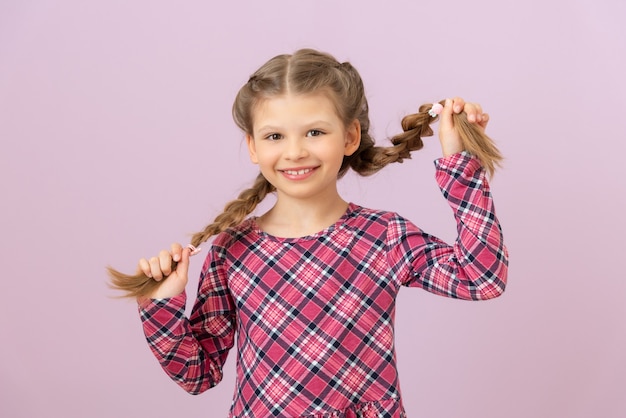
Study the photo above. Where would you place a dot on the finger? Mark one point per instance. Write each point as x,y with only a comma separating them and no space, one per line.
176,250
458,104
479,112
144,267
473,112
448,135
445,117
155,269
485,120
183,265
165,261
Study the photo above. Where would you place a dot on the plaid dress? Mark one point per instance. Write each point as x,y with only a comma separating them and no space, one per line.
313,317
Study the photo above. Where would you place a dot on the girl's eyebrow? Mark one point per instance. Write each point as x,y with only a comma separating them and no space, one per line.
318,122
267,128
305,125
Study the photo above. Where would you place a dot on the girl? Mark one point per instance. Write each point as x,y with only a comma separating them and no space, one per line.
310,286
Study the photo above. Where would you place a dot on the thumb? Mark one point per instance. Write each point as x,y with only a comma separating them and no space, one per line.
449,138
446,123
183,265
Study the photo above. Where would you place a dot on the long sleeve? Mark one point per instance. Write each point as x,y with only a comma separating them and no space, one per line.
192,351
473,268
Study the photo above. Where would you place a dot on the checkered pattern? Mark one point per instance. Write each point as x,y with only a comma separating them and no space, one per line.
315,315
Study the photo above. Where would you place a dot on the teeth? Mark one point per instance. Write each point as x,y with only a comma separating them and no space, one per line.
297,172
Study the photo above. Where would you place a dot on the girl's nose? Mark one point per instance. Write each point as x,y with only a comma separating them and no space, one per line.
296,149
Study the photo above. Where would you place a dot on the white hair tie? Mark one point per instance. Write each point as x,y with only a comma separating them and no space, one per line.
193,249
435,110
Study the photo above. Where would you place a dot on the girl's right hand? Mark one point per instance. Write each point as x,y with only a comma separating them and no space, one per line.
159,268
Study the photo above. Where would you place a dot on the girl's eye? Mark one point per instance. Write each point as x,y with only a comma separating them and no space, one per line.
273,137
315,132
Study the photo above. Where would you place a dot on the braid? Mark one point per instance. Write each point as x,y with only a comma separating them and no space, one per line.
234,213
370,158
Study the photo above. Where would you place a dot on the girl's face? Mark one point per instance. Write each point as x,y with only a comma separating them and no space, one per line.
299,143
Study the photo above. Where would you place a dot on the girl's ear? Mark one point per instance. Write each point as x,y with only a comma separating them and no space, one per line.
353,137
251,148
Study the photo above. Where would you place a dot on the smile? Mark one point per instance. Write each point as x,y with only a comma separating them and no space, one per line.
298,172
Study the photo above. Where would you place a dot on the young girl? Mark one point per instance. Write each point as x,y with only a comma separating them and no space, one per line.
307,290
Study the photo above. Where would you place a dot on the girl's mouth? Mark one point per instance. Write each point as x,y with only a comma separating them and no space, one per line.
298,173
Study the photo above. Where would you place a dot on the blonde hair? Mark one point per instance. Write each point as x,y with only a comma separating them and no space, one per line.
308,71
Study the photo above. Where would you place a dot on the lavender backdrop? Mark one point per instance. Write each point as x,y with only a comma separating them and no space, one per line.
117,140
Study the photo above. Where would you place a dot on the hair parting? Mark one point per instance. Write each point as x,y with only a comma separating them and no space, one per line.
308,71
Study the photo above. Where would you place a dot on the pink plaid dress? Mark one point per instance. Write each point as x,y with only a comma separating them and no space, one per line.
313,317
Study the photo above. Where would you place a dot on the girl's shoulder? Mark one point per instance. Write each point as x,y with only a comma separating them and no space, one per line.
377,222
390,226
230,236
363,214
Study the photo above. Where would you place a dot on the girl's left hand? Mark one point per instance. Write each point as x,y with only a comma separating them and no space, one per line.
448,135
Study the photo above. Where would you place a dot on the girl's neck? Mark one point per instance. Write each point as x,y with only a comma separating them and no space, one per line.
293,218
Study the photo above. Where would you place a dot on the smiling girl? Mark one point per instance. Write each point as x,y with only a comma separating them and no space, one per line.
307,290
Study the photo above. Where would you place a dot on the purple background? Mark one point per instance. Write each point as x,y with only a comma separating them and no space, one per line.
117,140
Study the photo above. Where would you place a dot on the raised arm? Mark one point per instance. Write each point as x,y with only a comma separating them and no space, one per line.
475,267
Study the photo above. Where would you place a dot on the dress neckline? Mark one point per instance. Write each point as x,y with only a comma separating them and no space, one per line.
324,232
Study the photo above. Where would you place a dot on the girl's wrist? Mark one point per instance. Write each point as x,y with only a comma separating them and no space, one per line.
452,148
